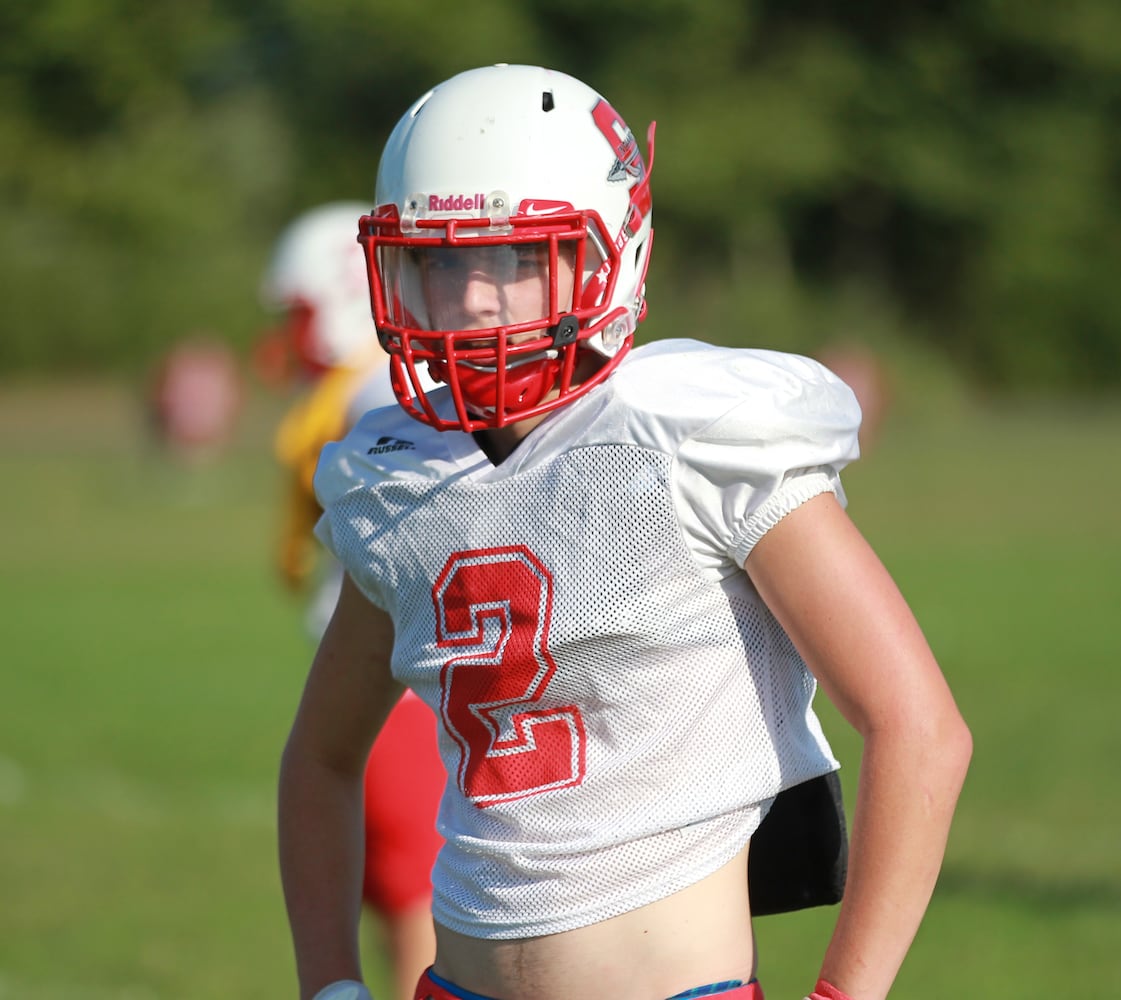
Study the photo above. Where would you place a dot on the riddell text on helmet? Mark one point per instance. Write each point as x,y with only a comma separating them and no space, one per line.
455,203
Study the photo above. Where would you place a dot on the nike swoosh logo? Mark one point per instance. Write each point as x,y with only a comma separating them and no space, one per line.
534,209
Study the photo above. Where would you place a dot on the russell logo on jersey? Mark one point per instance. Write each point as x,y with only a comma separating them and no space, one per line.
386,444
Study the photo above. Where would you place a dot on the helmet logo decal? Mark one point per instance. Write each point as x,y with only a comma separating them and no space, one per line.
628,160
456,202
538,207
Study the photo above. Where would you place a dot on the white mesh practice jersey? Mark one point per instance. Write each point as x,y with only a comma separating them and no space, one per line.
618,706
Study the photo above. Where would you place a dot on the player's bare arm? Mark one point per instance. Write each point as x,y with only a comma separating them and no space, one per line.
857,634
348,693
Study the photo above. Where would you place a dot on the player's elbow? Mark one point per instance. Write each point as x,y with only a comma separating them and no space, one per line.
944,748
956,741
929,740
322,753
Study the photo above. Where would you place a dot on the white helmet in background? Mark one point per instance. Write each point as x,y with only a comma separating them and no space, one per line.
518,173
317,278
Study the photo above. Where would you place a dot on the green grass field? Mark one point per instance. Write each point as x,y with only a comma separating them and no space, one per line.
151,664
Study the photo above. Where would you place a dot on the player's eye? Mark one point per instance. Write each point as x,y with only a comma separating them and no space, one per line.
439,261
530,260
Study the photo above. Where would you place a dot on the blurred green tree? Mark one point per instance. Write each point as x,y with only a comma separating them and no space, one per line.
941,175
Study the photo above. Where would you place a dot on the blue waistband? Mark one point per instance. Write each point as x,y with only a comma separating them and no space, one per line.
712,989
455,991
707,991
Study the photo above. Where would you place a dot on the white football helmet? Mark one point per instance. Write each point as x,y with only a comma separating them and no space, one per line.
317,278
511,235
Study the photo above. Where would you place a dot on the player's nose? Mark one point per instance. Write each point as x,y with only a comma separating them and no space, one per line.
482,299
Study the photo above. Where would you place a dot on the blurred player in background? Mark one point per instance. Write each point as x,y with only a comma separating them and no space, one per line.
617,577
863,371
316,280
327,346
195,396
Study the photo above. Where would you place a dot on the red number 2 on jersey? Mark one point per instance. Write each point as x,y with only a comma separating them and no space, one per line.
499,602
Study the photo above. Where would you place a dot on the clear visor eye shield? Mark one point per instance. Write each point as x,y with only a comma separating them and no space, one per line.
493,306
508,276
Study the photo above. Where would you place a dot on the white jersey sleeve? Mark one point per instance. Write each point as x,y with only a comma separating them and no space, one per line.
386,445
752,434
791,427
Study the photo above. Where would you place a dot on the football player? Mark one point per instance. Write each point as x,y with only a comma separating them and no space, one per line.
617,575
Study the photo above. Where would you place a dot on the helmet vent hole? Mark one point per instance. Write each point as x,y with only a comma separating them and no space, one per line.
547,102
